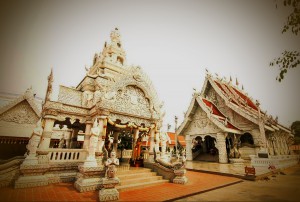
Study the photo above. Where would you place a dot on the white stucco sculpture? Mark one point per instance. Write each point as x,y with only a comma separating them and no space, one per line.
111,164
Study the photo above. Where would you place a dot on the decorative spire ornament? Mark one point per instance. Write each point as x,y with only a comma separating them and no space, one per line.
49,88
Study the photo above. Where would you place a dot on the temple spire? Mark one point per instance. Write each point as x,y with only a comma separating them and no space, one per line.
49,88
115,36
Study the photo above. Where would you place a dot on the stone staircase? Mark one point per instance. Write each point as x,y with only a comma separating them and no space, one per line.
138,178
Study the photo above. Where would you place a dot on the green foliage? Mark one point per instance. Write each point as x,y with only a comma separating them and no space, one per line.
289,59
296,129
297,140
294,18
126,141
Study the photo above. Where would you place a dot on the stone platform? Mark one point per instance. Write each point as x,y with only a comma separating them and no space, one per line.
162,192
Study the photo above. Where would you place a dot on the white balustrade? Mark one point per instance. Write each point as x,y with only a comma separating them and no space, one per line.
67,155
145,155
280,161
127,153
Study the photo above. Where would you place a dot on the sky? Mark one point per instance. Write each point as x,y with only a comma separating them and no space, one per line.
173,41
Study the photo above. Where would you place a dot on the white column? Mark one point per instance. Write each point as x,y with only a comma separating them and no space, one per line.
152,134
189,153
47,133
100,141
87,135
222,148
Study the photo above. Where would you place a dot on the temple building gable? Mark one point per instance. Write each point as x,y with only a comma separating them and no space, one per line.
201,124
22,113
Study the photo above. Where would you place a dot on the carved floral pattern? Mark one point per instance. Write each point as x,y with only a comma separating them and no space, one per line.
69,96
126,119
22,113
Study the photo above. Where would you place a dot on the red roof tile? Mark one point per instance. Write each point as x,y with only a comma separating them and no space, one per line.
217,112
237,92
180,138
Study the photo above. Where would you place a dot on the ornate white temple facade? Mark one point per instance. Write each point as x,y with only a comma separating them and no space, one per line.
223,123
81,128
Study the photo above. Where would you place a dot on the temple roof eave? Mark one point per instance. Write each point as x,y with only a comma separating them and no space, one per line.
212,118
232,106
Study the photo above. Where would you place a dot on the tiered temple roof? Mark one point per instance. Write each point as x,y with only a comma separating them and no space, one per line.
237,100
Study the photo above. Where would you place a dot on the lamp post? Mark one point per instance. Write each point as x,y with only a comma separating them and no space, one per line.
176,118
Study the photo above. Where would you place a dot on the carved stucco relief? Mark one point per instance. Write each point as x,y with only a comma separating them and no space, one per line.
200,124
129,100
22,113
126,119
69,96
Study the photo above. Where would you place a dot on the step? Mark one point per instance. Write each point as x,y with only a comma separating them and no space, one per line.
140,180
140,185
133,170
135,175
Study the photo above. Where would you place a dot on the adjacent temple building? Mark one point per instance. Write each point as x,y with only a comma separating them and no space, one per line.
223,123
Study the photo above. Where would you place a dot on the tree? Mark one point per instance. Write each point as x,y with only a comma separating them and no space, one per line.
289,59
295,127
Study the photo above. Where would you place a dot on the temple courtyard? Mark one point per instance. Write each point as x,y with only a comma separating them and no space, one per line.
202,186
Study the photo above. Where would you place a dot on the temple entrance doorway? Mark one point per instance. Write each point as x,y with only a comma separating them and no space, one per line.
127,141
204,149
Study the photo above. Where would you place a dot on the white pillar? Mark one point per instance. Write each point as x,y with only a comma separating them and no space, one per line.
189,153
222,148
152,134
47,133
100,141
87,135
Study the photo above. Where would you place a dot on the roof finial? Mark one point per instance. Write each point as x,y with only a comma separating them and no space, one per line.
230,80
242,87
115,35
236,81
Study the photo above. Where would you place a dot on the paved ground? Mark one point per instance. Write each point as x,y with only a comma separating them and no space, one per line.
198,182
278,188
201,187
224,168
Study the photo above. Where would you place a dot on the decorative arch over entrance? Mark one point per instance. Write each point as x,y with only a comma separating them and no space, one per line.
246,140
246,146
204,148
